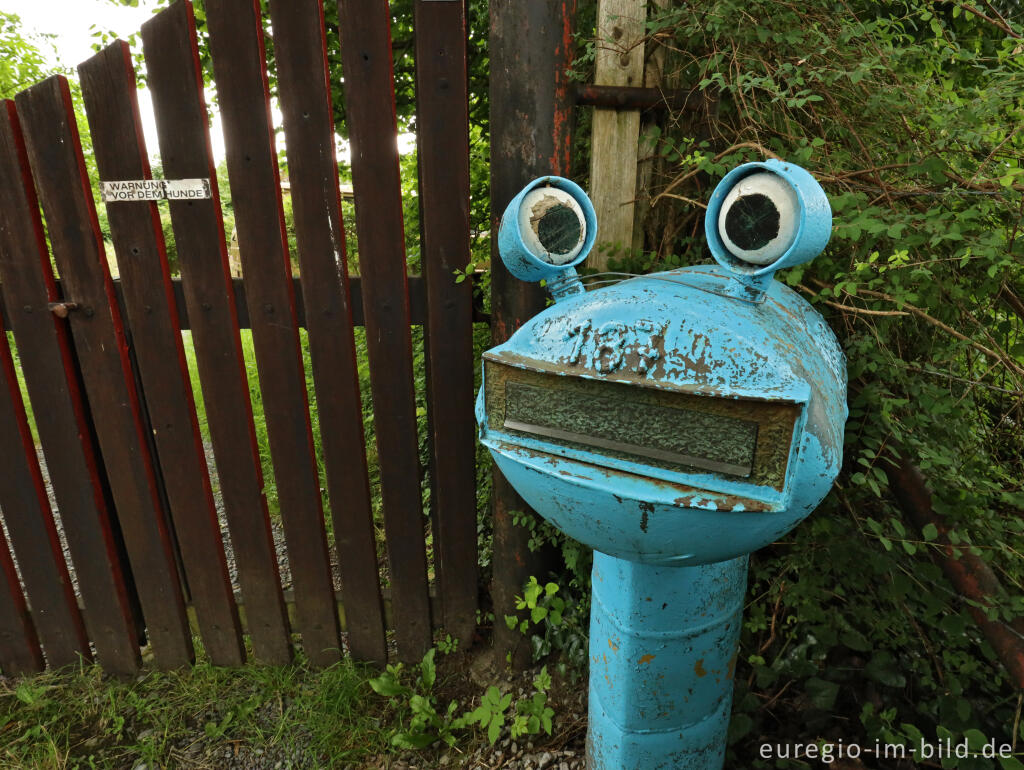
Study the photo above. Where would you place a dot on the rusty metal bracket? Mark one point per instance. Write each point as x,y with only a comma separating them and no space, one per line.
61,309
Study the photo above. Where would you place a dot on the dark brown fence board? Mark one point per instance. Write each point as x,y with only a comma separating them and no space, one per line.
175,80
303,84
47,364
443,133
55,155
26,511
111,103
370,107
236,48
19,645
531,111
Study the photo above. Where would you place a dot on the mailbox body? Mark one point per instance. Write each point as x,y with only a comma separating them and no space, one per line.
666,421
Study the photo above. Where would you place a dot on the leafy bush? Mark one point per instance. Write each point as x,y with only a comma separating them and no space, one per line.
910,114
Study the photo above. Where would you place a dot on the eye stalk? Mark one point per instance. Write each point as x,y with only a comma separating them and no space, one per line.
546,230
765,216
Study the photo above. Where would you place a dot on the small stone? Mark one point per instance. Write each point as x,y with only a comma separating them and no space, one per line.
544,760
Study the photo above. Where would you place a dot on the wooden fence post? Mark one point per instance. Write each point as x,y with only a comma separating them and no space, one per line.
616,133
531,47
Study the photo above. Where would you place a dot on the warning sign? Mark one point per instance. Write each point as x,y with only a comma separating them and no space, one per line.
155,190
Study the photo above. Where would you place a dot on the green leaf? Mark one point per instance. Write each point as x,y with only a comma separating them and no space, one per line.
855,641
388,687
975,738
930,531
883,669
494,731
739,726
822,693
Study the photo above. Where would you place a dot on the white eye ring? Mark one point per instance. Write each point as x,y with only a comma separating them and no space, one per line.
759,218
560,240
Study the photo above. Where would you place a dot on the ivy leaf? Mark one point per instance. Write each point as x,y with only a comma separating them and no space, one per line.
882,668
822,693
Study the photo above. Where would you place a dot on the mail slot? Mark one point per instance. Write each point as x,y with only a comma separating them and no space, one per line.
675,423
666,433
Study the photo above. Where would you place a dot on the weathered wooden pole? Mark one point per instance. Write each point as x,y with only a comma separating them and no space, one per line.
616,133
531,46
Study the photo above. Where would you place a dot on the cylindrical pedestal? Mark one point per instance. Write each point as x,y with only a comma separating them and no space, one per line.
662,656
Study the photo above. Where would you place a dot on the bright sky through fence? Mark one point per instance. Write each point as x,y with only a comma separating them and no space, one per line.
70,25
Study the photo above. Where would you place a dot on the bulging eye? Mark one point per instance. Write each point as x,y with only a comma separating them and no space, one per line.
759,218
552,225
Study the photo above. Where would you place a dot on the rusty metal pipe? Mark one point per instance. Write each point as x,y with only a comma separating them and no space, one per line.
971,577
636,98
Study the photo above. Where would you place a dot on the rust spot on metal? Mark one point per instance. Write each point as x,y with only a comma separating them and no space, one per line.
645,659
615,647
61,309
646,510
698,668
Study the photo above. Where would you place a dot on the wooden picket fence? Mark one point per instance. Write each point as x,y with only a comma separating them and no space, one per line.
106,375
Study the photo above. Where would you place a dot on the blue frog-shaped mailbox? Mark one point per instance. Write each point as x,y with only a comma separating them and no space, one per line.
675,423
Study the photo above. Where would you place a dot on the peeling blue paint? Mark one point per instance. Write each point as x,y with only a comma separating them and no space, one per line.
671,539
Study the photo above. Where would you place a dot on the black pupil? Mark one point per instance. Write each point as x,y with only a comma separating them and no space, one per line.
559,229
752,222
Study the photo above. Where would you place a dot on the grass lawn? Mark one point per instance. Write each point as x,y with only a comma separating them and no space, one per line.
202,717
285,717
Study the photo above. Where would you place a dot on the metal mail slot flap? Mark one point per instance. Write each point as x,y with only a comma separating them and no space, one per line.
646,432
746,440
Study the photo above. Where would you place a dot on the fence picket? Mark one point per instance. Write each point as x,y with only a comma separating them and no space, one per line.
117,392
443,133
176,84
370,107
26,511
19,645
54,151
236,48
303,85
47,364
108,88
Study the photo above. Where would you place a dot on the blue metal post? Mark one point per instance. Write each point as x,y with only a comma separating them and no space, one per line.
662,656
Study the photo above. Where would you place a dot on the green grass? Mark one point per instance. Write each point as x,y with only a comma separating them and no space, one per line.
22,386
80,718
